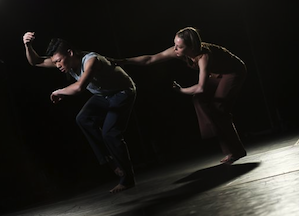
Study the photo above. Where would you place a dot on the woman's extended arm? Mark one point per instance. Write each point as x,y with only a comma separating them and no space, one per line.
148,59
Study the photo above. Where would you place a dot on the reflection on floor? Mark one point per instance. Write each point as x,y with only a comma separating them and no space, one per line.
266,182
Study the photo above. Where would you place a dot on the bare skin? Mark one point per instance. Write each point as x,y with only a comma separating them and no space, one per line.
178,51
119,188
229,159
199,60
65,63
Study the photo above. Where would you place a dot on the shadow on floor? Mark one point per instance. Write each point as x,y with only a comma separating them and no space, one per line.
192,185
213,176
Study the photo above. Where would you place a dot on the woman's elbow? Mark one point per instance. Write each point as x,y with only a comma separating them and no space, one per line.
149,60
147,63
199,90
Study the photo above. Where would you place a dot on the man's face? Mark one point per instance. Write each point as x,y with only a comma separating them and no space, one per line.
62,61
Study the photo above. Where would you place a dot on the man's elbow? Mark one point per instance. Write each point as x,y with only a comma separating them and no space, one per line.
78,89
32,63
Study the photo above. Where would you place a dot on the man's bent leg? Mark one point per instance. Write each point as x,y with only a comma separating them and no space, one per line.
115,124
88,119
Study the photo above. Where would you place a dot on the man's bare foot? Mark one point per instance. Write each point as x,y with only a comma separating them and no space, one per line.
126,180
119,172
118,188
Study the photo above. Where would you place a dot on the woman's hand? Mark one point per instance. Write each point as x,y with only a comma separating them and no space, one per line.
176,86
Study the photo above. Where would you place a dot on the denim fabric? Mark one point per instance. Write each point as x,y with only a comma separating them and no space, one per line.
103,119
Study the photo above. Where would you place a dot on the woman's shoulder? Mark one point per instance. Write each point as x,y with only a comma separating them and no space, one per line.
205,48
211,47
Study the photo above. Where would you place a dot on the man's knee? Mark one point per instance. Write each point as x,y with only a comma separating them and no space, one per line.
81,119
112,134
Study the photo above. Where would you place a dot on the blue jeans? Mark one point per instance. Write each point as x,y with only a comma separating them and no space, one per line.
103,119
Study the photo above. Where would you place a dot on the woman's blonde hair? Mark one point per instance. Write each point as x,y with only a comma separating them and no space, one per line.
191,38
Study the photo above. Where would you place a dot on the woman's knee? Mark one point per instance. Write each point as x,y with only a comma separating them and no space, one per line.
218,109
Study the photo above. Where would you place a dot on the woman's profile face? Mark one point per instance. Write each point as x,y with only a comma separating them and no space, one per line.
180,48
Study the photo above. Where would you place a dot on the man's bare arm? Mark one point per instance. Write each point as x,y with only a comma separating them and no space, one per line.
32,57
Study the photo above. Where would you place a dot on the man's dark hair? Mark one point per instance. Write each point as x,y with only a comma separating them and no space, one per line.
58,45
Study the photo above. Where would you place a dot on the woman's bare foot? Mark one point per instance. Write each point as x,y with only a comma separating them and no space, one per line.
231,158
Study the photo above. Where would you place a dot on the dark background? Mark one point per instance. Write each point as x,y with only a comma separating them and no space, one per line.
43,154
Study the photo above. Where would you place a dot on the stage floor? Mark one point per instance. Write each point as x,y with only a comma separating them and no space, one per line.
264,183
